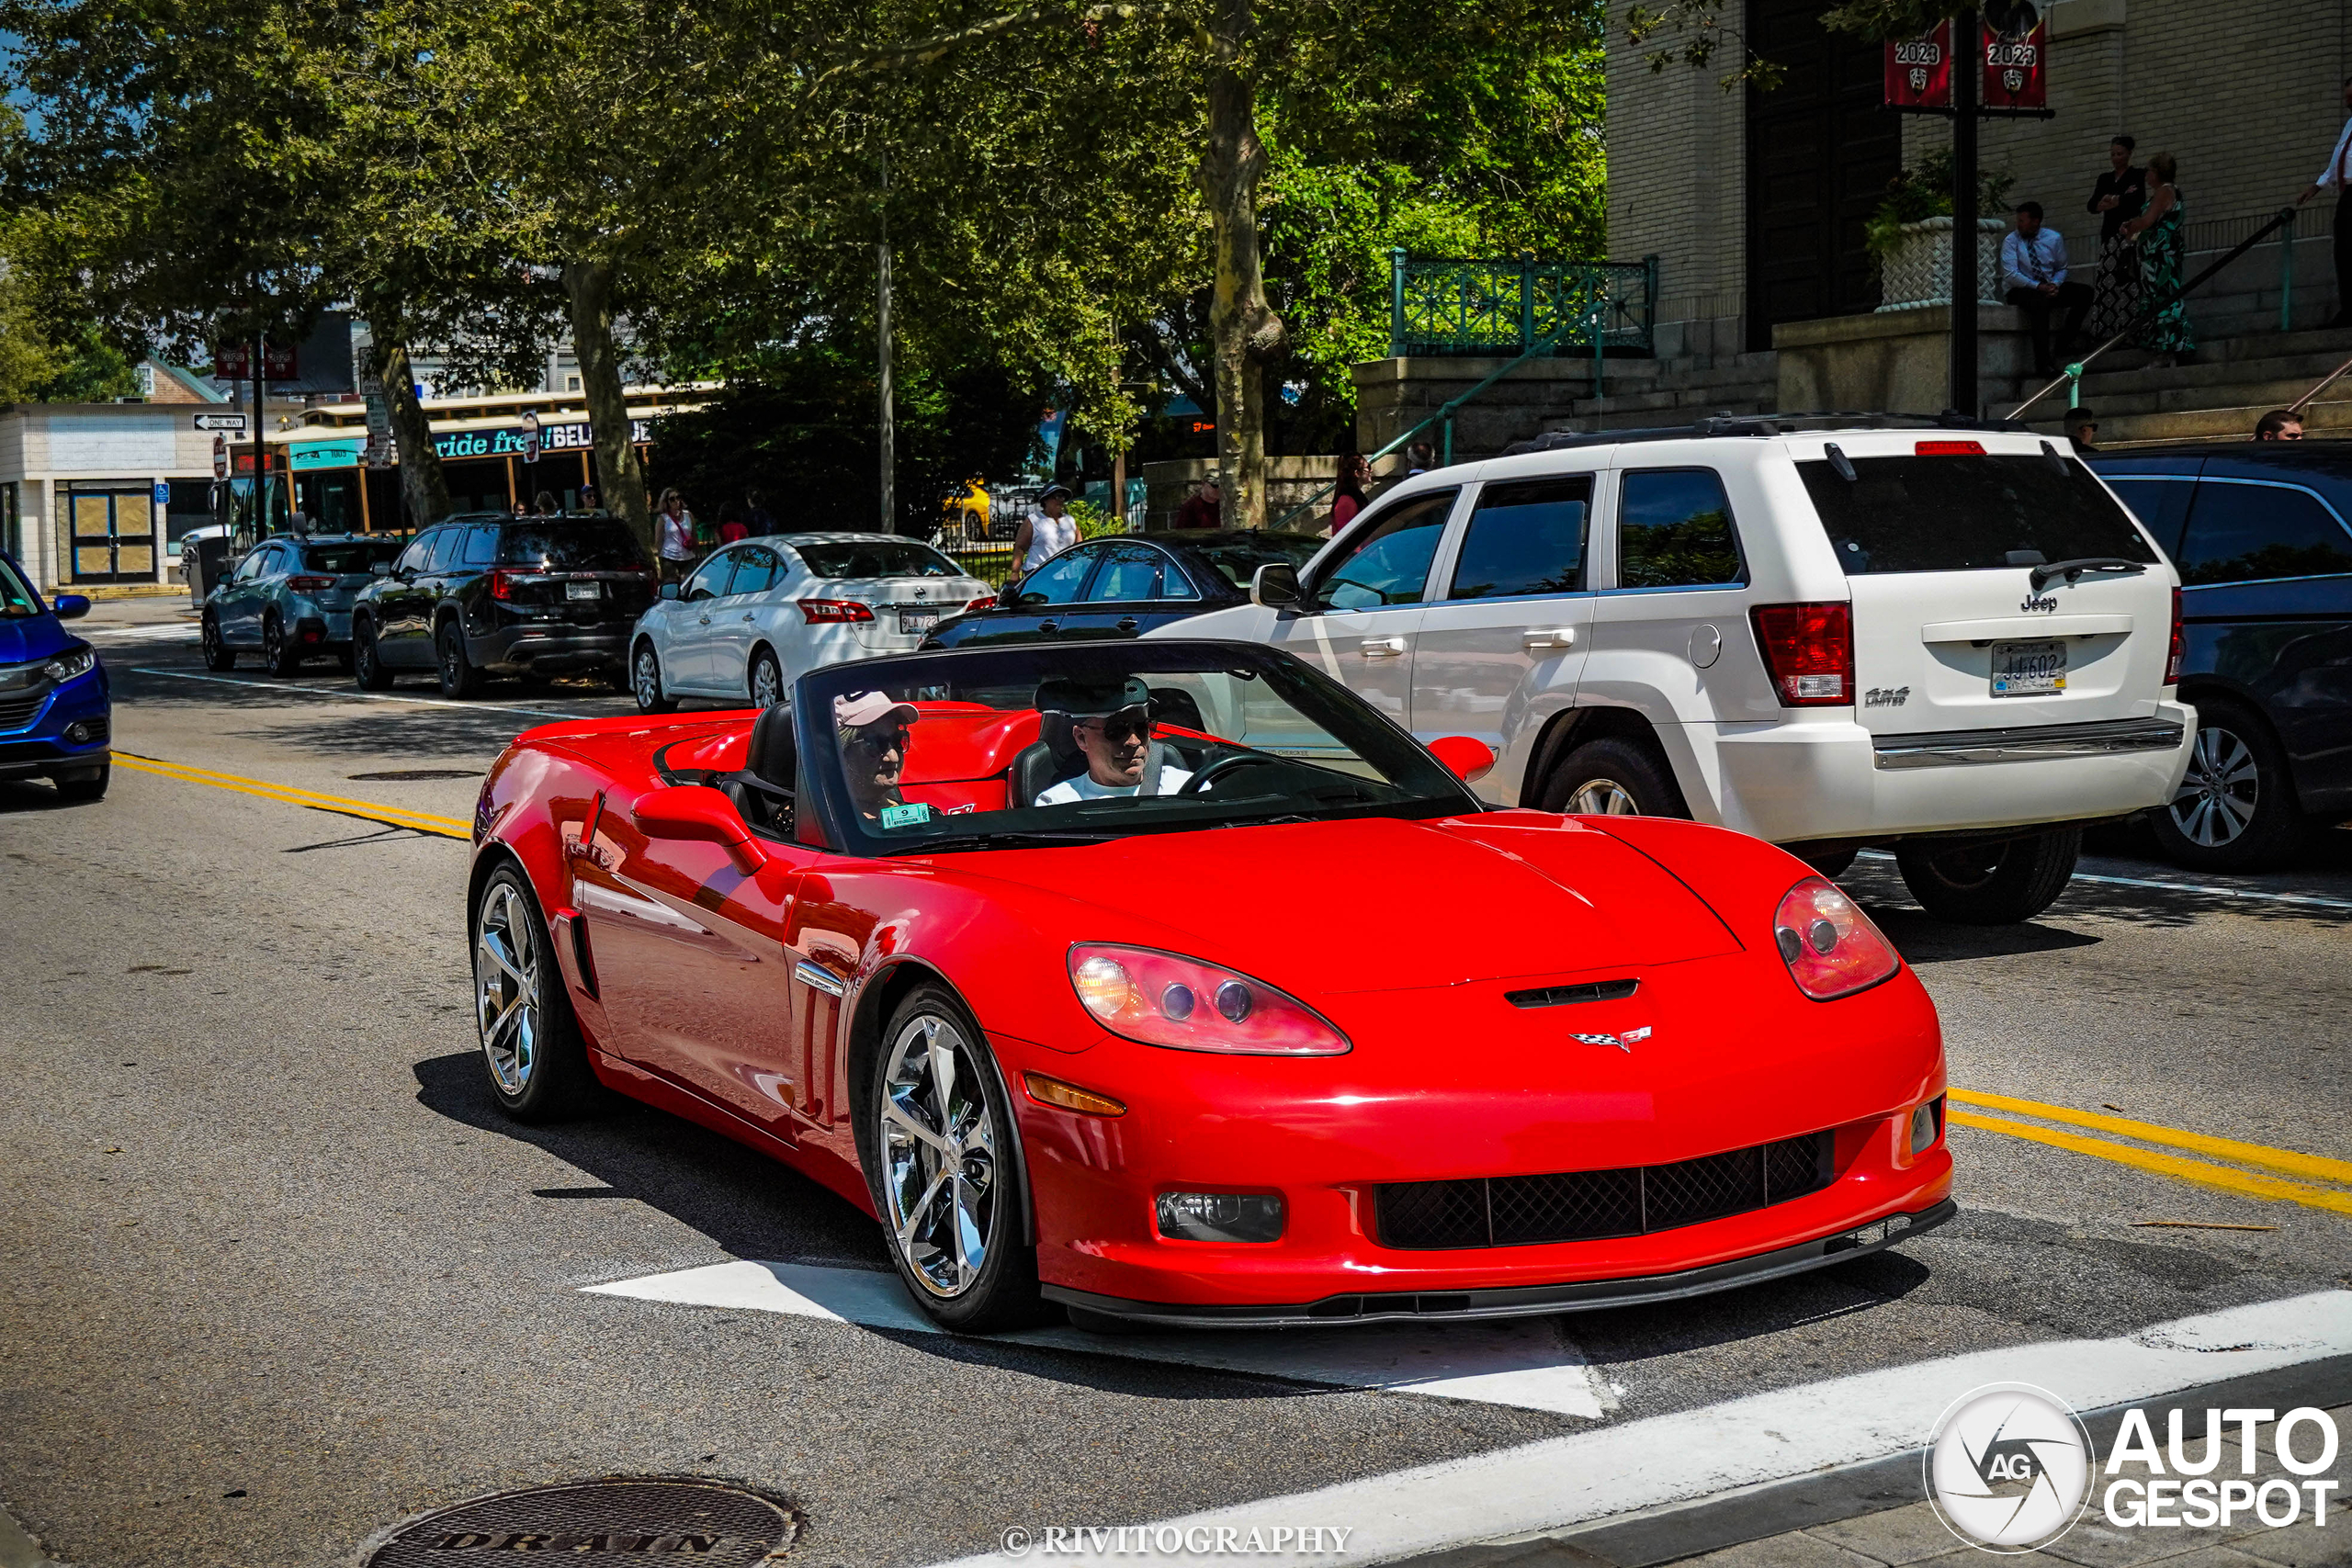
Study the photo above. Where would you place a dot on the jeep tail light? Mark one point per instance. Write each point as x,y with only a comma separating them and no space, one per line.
833,612
2179,649
308,584
1830,946
1809,652
1163,998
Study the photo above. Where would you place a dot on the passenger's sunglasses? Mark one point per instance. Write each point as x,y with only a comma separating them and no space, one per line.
880,739
1122,729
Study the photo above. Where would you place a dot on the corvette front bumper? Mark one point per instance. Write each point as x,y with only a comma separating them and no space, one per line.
1526,1301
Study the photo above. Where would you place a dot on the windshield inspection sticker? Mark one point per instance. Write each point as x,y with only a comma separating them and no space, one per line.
906,815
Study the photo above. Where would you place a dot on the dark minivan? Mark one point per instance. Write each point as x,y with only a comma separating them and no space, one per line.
2261,537
486,594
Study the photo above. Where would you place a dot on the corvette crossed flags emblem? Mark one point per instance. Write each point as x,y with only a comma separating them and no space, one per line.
1625,1042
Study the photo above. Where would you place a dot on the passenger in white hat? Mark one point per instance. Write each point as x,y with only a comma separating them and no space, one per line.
875,731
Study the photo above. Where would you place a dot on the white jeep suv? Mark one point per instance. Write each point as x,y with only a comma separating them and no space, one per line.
1952,640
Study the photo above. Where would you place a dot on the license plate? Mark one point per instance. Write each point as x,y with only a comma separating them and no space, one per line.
2029,669
918,620
583,590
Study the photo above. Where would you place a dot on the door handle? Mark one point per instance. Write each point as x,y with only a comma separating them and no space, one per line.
1129,624
1046,625
706,620
1557,636
1384,647
747,614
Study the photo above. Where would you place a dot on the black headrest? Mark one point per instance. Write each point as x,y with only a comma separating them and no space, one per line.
774,757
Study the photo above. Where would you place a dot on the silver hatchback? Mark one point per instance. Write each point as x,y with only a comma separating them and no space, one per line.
290,599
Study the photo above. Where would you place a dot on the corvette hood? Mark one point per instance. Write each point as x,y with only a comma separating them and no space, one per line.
23,639
1376,904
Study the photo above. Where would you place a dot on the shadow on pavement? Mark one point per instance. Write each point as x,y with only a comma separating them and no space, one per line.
36,795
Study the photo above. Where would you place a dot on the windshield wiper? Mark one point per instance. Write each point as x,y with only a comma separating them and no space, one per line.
2071,570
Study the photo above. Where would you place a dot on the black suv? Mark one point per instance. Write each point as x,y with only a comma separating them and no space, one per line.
1124,585
485,594
2261,537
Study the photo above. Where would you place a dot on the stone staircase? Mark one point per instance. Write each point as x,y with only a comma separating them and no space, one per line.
1638,392
2217,396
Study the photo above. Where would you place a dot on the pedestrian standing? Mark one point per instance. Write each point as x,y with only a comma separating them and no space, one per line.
544,503
588,502
731,526
2117,198
1203,508
1048,531
2082,429
756,513
2157,231
1353,489
2279,424
673,537
2034,280
1419,459
2337,178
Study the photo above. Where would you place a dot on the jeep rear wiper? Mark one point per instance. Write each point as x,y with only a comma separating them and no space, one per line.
2071,570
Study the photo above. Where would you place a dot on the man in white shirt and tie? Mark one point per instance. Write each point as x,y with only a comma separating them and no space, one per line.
2336,177
2033,278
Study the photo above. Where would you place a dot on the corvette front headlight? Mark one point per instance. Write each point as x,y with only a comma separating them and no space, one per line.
1163,998
66,666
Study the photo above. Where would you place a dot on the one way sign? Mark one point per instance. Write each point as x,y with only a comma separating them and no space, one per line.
235,422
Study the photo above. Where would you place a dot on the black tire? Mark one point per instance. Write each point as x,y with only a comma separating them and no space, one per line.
1995,884
1613,777
2235,809
645,681
541,1076
280,658
767,693
368,670
1002,1293
460,676
218,654
82,788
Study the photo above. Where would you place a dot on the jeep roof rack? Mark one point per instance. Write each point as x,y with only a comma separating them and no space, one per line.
1729,423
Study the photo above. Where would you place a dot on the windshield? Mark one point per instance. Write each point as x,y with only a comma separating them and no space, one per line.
1081,742
347,558
1963,513
1238,560
17,597
876,557
566,544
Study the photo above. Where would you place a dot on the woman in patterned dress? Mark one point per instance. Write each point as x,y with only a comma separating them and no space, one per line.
2157,231
2116,199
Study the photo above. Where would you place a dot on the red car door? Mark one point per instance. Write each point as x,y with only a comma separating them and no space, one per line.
693,967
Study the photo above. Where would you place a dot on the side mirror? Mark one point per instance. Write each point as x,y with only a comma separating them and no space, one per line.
1275,586
669,590
698,814
1465,757
69,606
380,568
1008,596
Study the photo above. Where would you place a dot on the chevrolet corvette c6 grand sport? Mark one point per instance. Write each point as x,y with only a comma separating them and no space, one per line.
1169,981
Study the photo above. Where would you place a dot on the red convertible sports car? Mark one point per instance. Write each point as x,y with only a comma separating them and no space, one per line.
1168,981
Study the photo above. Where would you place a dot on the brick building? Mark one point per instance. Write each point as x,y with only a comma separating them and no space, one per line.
1755,201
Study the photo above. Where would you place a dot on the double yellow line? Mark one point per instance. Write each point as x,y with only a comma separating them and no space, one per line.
365,810
2268,1178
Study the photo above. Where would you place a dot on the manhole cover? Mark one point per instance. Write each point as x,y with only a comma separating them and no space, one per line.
638,1520
414,775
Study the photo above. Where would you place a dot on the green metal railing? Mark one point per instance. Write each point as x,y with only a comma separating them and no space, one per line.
1491,307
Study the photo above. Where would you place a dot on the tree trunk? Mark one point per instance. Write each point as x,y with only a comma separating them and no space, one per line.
424,487
620,477
1244,331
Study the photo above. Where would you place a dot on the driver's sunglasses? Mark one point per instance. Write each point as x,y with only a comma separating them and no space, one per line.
880,739
1123,728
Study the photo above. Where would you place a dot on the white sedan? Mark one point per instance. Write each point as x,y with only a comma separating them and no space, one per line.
762,612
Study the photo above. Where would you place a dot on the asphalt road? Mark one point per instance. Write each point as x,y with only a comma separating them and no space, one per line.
277,1274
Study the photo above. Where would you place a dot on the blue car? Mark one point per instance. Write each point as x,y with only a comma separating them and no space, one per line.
56,721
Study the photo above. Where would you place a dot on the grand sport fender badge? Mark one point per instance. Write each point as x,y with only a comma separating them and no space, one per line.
1625,1042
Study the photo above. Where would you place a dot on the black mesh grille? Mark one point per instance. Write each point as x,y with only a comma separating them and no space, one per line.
18,712
1590,1206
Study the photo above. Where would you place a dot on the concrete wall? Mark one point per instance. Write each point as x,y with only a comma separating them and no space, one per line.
1290,481
1896,361
1394,395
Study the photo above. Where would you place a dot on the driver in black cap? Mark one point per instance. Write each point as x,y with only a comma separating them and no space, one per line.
1112,721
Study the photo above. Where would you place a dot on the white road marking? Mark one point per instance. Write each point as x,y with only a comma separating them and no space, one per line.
1694,1454
1524,1362
342,695
171,630
2209,890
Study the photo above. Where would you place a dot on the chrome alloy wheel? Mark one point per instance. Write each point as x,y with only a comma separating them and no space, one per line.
507,988
1602,797
644,678
767,684
939,1156
2216,801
